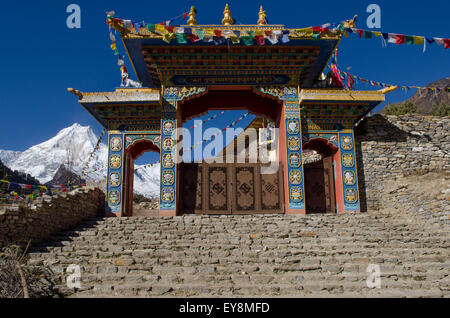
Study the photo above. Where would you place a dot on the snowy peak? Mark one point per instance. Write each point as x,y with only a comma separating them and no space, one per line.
71,147
7,156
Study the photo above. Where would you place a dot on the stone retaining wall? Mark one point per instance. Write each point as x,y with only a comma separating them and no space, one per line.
49,215
389,147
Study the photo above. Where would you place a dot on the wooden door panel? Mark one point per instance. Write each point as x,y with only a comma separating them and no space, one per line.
218,188
271,192
329,185
319,186
315,187
244,188
191,177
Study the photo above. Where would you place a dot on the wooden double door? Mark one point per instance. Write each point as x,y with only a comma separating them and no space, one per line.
319,186
229,189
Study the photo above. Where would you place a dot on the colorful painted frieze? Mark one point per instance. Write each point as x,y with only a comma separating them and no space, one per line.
349,172
115,173
294,146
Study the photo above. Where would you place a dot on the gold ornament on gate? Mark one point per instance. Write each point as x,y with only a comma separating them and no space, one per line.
262,16
192,14
227,19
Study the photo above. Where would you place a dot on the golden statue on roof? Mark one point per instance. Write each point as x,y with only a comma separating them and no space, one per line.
227,19
262,16
350,23
192,14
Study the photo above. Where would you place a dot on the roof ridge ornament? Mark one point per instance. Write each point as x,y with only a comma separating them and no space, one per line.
262,16
227,19
192,14
350,23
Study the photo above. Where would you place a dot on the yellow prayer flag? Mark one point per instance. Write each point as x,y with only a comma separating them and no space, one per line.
377,33
168,37
113,46
305,31
160,28
418,39
235,39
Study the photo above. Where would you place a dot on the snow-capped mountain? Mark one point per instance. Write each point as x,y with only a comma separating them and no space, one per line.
146,180
72,146
7,156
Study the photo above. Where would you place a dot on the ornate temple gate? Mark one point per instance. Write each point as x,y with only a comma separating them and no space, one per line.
238,188
280,80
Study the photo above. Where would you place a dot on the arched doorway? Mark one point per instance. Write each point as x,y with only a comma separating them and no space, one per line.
320,159
131,153
230,187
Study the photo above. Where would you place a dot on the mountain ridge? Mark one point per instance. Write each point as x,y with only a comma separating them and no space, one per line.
71,147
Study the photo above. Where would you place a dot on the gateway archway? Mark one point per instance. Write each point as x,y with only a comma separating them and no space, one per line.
140,146
319,176
235,187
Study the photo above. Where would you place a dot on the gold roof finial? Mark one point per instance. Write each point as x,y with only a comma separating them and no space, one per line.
227,19
350,23
262,16
192,14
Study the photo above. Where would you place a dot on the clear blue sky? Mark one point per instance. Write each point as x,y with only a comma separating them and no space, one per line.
41,57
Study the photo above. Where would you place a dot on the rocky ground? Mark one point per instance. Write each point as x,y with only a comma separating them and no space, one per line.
266,255
424,196
146,208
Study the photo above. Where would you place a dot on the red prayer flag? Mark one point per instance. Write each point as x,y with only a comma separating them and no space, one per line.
193,37
260,39
446,43
400,39
170,28
350,82
218,33
360,32
185,15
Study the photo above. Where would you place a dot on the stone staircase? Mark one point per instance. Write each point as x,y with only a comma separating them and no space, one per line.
251,256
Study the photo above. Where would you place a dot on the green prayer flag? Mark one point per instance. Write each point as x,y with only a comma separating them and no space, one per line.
181,38
409,40
200,33
367,34
151,27
316,36
247,40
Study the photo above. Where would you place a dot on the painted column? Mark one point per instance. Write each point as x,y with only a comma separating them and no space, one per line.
167,204
294,176
349,172
290,147
114,197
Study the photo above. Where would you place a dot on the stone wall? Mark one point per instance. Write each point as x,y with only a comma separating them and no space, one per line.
49,215
388,147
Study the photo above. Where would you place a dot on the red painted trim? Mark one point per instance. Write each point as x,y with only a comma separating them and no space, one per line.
282,154
338,185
